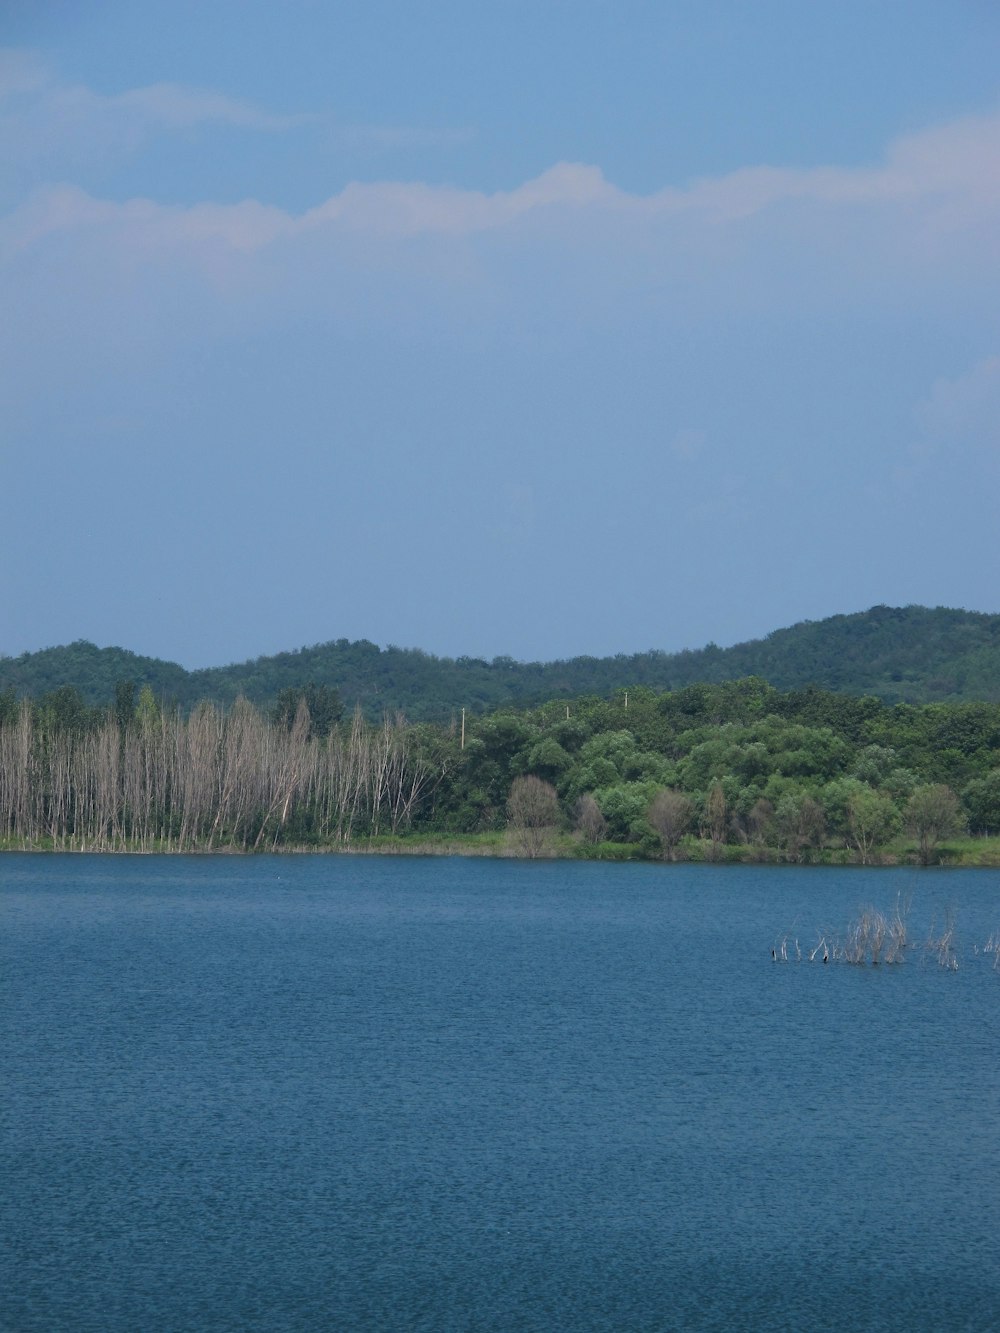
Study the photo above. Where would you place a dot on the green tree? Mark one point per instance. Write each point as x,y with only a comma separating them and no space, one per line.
125,704
624,806
147,710
872,818
324,705
981,799
63,710
548,760
800,823
932,814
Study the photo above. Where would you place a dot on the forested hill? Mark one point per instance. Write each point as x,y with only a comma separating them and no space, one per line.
911,654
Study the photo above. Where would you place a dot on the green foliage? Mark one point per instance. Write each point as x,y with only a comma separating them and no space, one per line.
811,772
323,703
932,813
124,704
547,759
817,672
800,823
63,710
624,807
872,819
147,710
981,799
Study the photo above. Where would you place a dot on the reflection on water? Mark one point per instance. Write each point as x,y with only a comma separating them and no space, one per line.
320,1092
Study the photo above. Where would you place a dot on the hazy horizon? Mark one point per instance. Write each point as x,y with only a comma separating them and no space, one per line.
429,652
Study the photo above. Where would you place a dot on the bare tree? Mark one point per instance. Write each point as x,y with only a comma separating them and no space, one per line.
670,814
716,817
590,822
532,814
758,823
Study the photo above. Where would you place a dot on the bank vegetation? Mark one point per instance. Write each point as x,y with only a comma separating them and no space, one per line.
731,772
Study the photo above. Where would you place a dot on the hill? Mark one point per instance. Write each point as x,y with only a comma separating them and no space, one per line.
910,654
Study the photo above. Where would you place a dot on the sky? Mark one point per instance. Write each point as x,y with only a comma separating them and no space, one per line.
515,328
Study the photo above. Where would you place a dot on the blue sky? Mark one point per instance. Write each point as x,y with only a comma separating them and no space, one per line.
532,329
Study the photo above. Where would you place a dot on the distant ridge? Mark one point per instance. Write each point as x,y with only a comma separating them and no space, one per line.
911,654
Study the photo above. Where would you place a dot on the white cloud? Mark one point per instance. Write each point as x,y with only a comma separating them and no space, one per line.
936,192
933,184
44,101
49,128
177,107
919,233
410,209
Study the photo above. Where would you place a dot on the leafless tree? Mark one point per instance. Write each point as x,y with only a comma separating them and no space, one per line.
589,821
716,818
532,814
212,779
670,814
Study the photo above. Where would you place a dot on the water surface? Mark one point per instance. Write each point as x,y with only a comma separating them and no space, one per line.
281,1093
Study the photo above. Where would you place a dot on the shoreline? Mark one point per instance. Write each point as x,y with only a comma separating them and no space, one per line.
969,854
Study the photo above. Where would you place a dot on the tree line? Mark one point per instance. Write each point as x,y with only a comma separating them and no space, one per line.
713,770
900,654
144,778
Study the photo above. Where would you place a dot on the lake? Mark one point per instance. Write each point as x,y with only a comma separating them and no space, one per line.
322,1092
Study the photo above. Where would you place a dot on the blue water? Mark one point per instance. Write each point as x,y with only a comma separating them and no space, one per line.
341,1093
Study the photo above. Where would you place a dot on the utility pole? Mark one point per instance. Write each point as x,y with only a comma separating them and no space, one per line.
463,728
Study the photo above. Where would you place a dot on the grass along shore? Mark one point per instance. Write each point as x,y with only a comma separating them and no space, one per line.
955,852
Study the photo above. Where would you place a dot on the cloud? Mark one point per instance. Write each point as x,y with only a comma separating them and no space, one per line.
566,250
177,107
965,411
931,184
934,199
960,158
52,130
49,128
957,427
139,225
41,99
